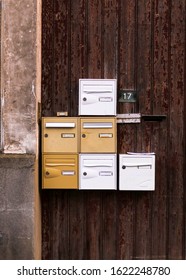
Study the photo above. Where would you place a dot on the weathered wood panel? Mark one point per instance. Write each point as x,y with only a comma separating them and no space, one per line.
160,77
142,43
176,132
48,58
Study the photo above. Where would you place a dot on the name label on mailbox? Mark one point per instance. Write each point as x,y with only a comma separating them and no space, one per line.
105,99
68,173
105,135
67,135
105,173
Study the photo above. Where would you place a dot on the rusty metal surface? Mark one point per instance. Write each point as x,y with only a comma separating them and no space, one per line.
143,45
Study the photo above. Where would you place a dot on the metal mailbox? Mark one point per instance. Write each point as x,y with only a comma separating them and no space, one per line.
98,135
97,96
97,172
136,172
60,171
59,135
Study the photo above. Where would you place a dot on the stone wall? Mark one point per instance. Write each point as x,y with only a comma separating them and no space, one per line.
17,207
20,230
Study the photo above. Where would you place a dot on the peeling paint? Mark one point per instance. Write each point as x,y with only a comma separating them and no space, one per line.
19,78
15,148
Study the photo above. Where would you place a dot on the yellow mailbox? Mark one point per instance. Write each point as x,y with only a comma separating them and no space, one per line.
98,135
60,171
59,135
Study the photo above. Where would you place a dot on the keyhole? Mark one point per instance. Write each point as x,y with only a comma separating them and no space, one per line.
85,173
123,167
84,99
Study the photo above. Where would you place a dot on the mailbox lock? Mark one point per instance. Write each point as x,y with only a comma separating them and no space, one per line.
84,99
83,135
47,173
123,167
46,135
85,173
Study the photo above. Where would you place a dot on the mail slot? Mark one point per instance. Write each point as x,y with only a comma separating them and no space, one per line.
137,172
98,135
97,172
60,171
97,97
59,135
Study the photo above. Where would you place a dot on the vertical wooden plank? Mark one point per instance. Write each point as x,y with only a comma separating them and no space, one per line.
94,225
61,58
77,229
185,144
46,229
78,68
94,39
110,38
161,56
126,200
159,132
47,57
109,70
0,71
159,199
126,133
110,224
62,225
176,185
127,51
144,63
143,201
126,62
78,52
143,231
54,226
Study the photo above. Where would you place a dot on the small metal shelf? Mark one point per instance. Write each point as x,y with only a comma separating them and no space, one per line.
153,118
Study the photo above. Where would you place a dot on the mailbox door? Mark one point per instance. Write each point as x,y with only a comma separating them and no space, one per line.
60,172
98,135
97,97
97,172
137,172
59,135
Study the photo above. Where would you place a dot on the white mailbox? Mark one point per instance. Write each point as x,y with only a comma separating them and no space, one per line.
137,172
97,172
97,97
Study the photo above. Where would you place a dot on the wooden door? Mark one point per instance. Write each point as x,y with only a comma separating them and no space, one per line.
142,44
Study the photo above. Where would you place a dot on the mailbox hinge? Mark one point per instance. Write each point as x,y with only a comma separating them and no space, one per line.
128,118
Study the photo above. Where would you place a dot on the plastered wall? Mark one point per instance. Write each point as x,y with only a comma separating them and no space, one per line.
20,95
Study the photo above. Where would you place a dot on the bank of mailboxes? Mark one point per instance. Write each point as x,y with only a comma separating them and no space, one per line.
81,152
97,97
137,172
63,139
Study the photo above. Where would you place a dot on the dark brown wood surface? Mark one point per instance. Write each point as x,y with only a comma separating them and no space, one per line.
141,43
